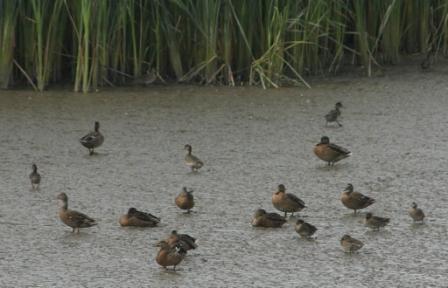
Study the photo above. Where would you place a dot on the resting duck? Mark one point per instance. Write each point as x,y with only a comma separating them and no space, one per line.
304,229
35,178
192,161
264,219
355,200
73,218
416,213
138,218
93,139
350,244
184,240
333,115
330,152
376,222
169,255
286,202
185,200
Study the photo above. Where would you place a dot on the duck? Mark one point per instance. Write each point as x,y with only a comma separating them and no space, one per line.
333,115
73,218
169,255
35,178
304,229
355,200
286,202
270,220
185,200
186,241
350,244
192,161
329,152
138,218
93,139
376,222
416,213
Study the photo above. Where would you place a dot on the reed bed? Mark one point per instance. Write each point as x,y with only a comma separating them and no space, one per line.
97,43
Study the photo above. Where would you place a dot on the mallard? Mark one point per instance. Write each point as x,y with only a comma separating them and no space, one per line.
138,218
93,139
286,202
184,240
73,218
185,200
330,152
416,213
355,200
35,178
376,222
192,161
304,229
350,244
169,255
264,219
333,115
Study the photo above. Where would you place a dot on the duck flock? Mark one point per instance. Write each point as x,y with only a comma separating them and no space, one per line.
173,249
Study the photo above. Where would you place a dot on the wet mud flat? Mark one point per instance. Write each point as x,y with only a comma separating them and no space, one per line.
251,140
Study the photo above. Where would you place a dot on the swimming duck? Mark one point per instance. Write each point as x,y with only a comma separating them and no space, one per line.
304,229
376,222
185,200
192,161
264,219
330,152
355,200
93,139
333,115
350,244
286,202
416,213
35,178
184,240
73,218
138,218
169,255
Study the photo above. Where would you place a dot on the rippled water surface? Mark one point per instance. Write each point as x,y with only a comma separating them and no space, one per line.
251,140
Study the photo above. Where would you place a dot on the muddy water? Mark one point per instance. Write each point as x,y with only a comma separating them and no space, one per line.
250,140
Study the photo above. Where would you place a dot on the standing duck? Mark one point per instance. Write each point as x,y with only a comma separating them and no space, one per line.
35,178
333,115
185,200
138,218
93,139
192,161
376,222
286,202
169,255
264,219
330,152
355,200
304,229
184,240
73,218
416,213
350,244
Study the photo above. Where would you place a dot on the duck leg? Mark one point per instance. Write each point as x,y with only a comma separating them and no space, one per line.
340,125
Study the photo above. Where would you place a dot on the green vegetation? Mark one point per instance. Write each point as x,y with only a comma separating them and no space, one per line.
96,43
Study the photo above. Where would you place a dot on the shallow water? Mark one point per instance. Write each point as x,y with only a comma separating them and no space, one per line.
251,140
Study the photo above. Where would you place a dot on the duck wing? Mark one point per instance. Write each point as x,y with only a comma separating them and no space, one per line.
146,216
80,219
361,200
275,217
187,242
296,199
339,149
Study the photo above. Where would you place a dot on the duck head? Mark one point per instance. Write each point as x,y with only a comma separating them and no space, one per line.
324,140
188,148
349,188
97,126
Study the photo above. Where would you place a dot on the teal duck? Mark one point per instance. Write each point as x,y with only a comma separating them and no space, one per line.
355,200
192,161
169,255
416,213
185,241
350,244
185,200
376,222
138,218
35,178
93,139
264,219
333,115
304,229
329,152
287,202
73,218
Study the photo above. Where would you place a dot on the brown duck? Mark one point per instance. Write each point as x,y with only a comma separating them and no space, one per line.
376,222
185,200
286,202
73,218
329,152
304,229
35,178
169,255
350,244
183,240
138,218
355,200
416,213
192,161
264,219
